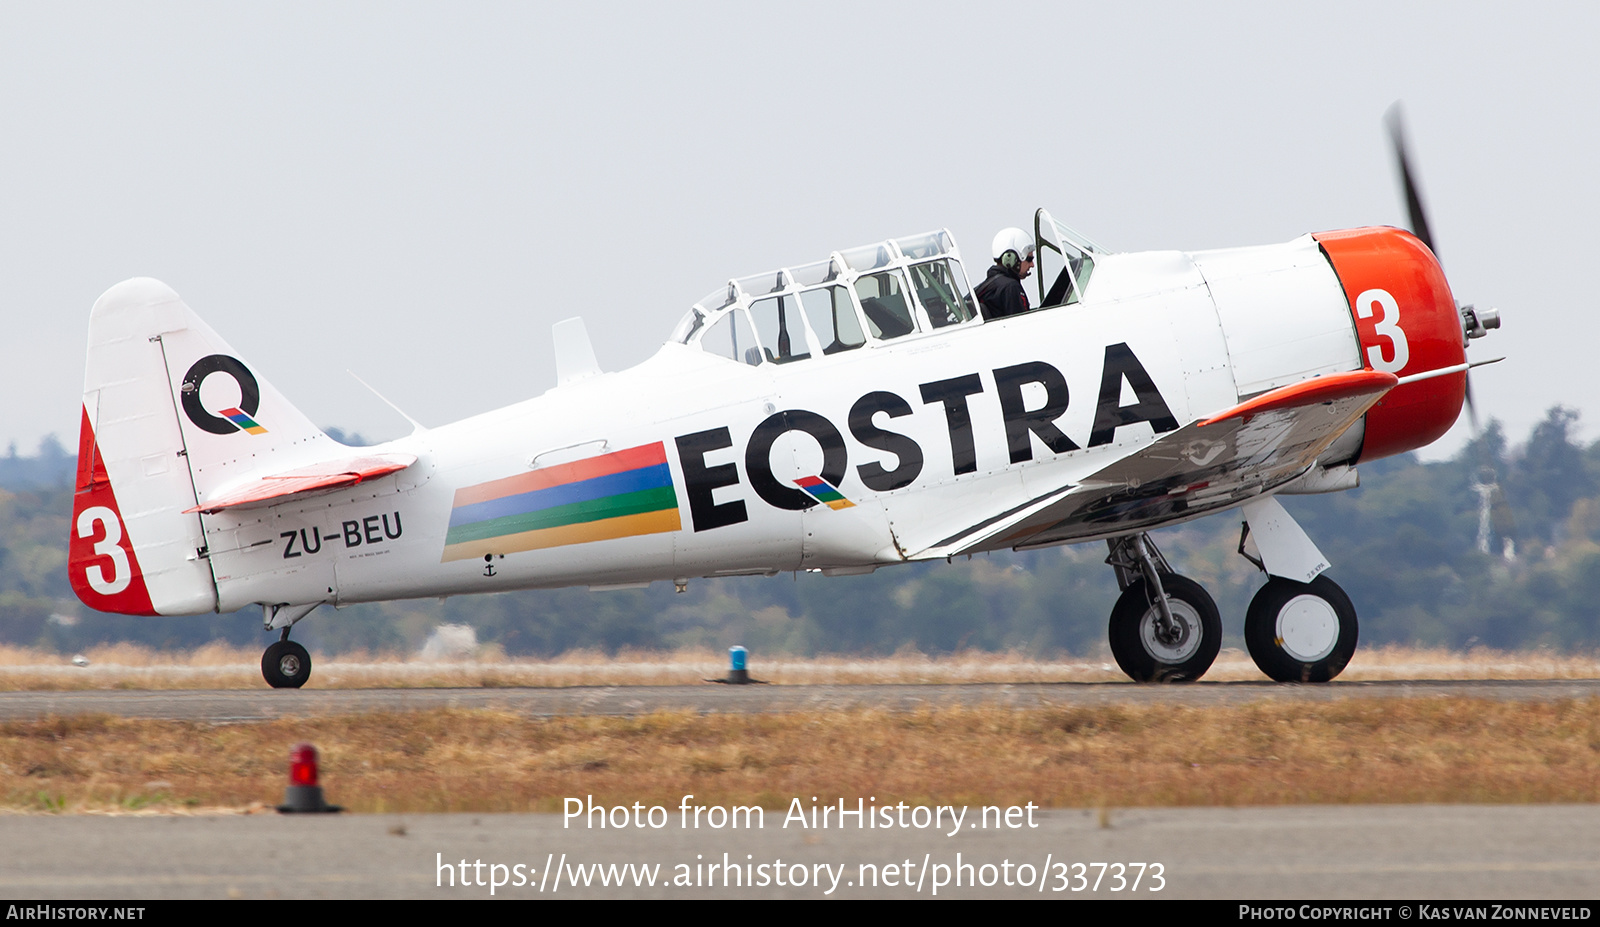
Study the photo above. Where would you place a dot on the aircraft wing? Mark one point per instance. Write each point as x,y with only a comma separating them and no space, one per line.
318,477
1212,463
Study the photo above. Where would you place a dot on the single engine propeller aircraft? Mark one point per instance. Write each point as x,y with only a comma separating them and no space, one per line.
837,416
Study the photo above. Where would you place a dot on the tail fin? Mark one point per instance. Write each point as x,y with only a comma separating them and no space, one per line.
170,413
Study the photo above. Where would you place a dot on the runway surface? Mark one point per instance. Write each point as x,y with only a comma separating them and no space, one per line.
264,704
1506,854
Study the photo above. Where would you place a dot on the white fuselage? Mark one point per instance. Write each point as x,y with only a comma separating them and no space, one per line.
1206,330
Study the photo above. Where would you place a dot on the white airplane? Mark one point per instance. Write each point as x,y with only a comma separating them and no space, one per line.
838,416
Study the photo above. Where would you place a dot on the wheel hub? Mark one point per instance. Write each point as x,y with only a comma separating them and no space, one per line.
1176,643
289,665
1308,628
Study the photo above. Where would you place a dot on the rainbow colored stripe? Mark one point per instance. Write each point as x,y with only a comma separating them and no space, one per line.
617,495
821,490
244,421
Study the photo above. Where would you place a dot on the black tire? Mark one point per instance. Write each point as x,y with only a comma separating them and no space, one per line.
1301,632
1133,632
286,665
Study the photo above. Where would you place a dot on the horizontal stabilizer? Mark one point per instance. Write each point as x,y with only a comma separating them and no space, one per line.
331,474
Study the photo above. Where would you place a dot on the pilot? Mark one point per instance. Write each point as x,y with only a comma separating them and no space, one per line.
1001,293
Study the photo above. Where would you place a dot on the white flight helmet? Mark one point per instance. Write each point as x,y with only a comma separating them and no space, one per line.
1011,247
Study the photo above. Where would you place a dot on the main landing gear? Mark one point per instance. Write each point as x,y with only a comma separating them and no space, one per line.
1165,627
286,664
1301,632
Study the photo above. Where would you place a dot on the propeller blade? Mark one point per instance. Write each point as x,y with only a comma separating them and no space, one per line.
1500,519
1419,219
1418,216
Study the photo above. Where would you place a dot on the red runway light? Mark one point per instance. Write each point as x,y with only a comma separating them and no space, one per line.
304,795
303,765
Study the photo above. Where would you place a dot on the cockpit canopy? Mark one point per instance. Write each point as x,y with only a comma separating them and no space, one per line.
878,292
867,295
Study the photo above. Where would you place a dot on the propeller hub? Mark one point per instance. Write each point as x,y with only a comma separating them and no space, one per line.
1477,322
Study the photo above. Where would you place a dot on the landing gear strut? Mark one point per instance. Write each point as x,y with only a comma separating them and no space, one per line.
1165,627
286,664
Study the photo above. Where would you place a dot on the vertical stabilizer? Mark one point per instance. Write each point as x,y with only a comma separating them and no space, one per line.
169,408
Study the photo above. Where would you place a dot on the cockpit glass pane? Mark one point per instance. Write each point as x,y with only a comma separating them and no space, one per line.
959,278
932,244
693,321
1072,236
943,293
833,317
870,257
716,299
1066,260
1054,283
1072,280
731,338
1083,269
883,301
778,325
813,274
762,284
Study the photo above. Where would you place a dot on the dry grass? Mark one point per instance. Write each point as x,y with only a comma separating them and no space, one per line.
1415,750
128,666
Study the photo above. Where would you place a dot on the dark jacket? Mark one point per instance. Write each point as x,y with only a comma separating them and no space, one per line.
1001,294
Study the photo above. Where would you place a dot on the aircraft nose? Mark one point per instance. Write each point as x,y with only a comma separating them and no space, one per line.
1407,322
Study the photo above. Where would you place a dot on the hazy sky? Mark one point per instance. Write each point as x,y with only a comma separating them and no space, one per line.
416,192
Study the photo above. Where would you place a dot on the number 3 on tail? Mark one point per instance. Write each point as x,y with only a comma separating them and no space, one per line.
1388,327
109,546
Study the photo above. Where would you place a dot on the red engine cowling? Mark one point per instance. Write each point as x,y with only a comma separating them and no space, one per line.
1408,324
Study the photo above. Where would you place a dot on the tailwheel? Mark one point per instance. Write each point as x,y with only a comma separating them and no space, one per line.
286,665
1301,632
1149,648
